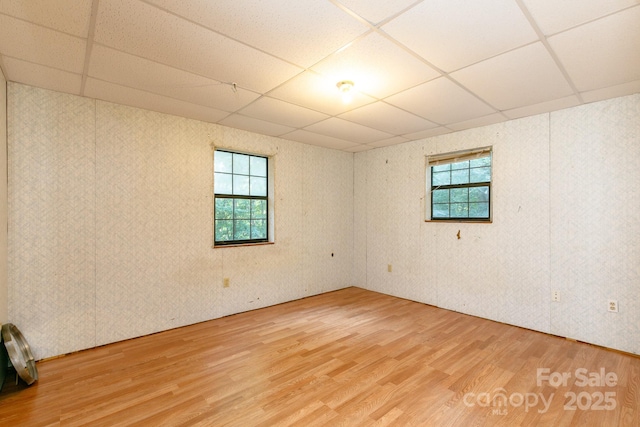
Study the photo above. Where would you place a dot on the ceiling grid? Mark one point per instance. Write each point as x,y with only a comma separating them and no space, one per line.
420,68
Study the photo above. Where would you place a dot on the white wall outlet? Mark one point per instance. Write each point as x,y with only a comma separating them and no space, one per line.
555,296
612,306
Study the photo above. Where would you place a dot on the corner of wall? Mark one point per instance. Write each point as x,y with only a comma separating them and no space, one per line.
4,290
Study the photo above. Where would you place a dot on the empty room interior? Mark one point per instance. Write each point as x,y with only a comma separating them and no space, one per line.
320,212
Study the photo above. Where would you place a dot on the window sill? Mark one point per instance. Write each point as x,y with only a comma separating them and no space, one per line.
242,245
455,221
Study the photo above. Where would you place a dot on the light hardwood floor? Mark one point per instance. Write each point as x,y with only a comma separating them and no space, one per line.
351,357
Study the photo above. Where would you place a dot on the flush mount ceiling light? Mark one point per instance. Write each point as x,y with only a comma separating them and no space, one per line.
346,90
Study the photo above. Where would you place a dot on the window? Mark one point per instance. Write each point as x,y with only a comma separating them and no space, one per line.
461,185
240,198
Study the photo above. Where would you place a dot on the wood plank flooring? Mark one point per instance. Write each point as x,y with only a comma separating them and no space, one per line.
347,358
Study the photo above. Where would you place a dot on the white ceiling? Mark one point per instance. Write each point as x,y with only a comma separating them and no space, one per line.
421,68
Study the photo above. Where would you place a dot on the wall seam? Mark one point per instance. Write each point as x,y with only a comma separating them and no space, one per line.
549,219
95,223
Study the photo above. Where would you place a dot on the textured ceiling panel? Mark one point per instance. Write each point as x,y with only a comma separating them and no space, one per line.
136,72
140,29
136,98
33,43
376,11
419,68
255,125
281,112
602,53
67,16
349,131
43,76
307,137
318,93
553,16
454,33
441,101
283,28
388,118
388,71
521,77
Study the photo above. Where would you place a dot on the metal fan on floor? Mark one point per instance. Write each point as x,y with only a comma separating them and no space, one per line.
19,353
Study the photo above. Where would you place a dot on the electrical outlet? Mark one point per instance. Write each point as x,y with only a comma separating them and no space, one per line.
389,268
555,296
612,306
225,282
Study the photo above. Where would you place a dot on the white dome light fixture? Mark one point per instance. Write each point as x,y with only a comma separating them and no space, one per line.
346,90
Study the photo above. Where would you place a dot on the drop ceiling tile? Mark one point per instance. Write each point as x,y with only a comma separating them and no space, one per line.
441,101
41,76
284,113
69,16
358,148
521,77
33,43
284,28
427,133
312,138
387,118
136,98
478,122
376,11
389,142
553,16
144,30
318,93
132,71
390,70
348,131
452,34
612,92
602,53
544,107
250,124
